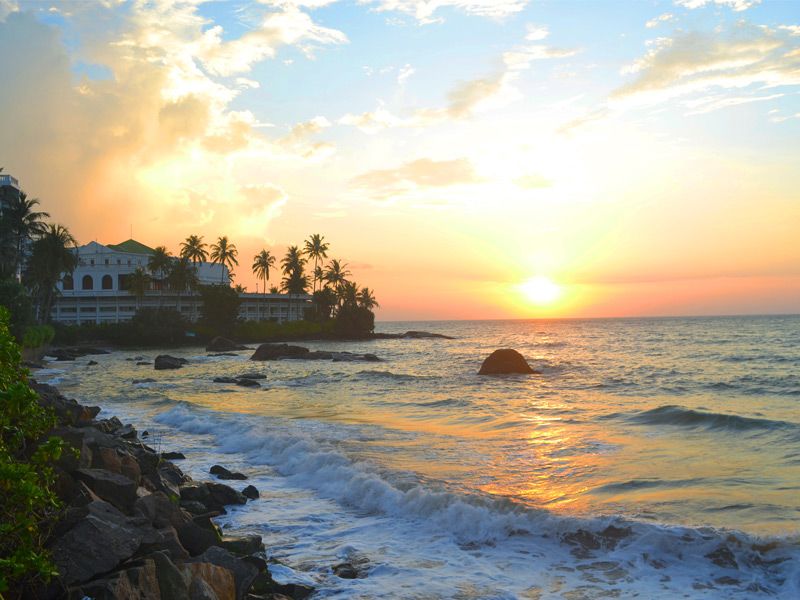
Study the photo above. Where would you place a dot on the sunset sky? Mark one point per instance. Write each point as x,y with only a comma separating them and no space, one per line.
632,158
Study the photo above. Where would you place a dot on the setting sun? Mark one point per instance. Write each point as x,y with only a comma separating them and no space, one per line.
541,290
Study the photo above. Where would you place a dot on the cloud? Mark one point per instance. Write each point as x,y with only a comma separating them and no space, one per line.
532,181
706,104
415,175
736,5
298,139
695,62
424,10
405,72
662,18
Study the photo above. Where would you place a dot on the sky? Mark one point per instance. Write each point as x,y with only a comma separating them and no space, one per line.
468,159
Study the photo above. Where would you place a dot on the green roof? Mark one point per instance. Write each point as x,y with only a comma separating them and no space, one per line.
131,246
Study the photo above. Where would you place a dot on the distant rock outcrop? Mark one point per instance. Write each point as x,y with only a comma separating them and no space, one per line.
221,344
505,361
287,352
165,361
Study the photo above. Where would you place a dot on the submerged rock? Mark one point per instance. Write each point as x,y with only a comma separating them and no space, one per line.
173,455
250,492
165,361
505,361
276,351
248,383
252,376
224,473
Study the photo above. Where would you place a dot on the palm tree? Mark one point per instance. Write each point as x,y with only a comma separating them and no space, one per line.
348,293
262,263
194,249
182,277
22,224
316,248
224,253
159,264
138,283
336,274
366,299
54,253
294,281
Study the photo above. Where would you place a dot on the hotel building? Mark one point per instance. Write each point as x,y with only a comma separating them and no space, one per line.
97,291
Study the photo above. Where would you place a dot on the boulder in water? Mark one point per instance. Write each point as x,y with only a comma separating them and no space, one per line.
505,361
276,351
165,361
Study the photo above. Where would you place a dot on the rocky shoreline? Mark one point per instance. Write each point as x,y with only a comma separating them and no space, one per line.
135,526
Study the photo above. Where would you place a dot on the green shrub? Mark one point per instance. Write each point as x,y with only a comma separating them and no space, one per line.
265,331
27,500
354,321
18,303
37,336
220,308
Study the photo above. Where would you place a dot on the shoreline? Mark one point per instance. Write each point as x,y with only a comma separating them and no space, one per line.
133,522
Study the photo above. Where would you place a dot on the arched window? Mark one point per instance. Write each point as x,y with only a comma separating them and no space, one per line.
87,283
107,282
67,283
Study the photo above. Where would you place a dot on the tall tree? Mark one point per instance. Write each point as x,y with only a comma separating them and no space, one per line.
182,277
21,225
336,274
262,263
224,253
366,299
159,265
53,254
193,248
294,280
138,284
316,249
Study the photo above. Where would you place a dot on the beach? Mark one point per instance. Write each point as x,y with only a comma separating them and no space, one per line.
649,457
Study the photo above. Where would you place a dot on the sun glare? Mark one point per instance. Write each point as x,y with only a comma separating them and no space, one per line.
541,290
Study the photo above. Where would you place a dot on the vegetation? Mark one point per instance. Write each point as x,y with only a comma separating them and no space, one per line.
16,300
262,263
52,255
37,336
220,308
27,500
225,253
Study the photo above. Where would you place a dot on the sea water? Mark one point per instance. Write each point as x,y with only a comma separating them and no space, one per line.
650,458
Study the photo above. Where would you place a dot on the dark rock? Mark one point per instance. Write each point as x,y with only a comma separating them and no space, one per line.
295,591
194,507
144,363
159,510
139,581
252,376
244,573
67,410
111,487
107,459
505,361
276,351
165,361
164,540
612,535
95,544
345,571
91,363
224,494
248,383
209,581
126,431
145,380
221,344
225,380
224,473
172,455
145,433
171,583
419,335
249,544
224,354
198,535
723,557
250,492
32,364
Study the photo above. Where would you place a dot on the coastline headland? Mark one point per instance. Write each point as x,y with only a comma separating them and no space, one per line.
134,525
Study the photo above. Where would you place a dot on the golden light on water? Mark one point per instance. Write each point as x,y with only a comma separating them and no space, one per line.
541,291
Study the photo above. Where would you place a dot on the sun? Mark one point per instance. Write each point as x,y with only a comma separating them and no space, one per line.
541,291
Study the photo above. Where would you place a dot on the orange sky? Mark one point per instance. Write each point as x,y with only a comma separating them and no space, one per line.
647,166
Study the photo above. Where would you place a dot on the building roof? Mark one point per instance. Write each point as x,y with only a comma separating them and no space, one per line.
131,246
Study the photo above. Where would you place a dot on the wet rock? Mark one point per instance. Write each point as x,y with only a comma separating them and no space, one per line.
248,383
164,540
611,535
144,363
91,363
159,510
139,581
96,543
221,344
165,361
224,473
198,535
223,354
194,507
111,487
218,583
172,455
67,410
345,571
126,431
250,492
145,380
107,459
225,380
276,351
248,544
723,557
252,376
505,361
244,573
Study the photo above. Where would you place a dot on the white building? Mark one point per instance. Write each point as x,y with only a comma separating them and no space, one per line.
97,291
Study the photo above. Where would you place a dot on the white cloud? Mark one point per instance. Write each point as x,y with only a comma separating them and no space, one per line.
662,18
424,10
536,32
405,72
416,175
736,5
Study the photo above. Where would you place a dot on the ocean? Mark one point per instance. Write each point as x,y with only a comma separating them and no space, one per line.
649,458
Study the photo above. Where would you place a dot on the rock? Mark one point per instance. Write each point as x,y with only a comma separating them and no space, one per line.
345,571
126,431
171,583
96,544
224,473
723,557
164,540
244,573
276,351
165,361
198,535
111,487
32,364
172,455
224,494
145,380
214,496
248,383
200,590
225,380
252,376
223,354
248,544
250,492
144,363
67,410
135,582
107,459
221,344
218,583
505,361
194,507
159,510
91,363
